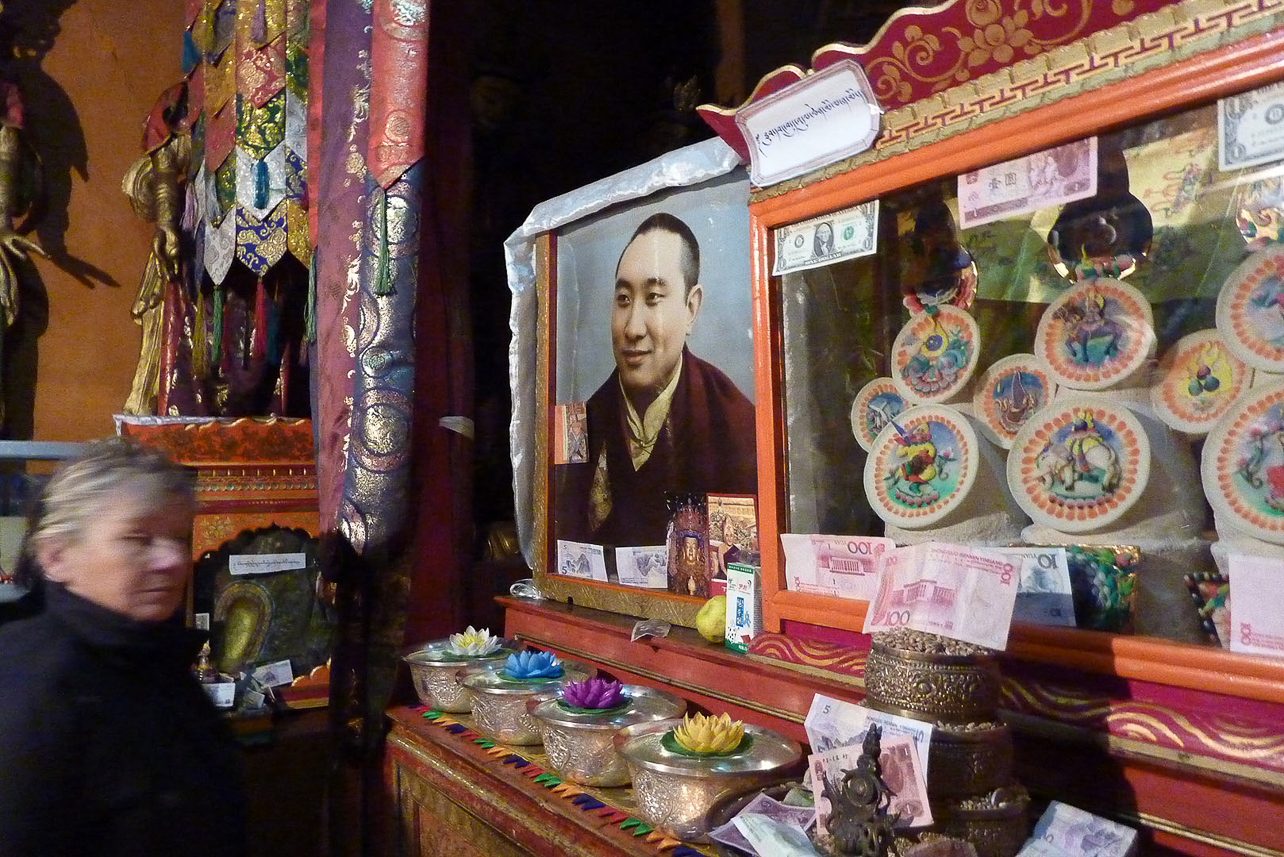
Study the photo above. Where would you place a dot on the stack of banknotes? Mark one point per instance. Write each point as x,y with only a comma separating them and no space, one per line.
1066,831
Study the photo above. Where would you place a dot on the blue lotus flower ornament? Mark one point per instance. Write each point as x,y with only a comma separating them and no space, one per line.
528,665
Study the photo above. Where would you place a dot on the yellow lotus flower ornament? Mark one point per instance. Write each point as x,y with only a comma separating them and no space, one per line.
709,735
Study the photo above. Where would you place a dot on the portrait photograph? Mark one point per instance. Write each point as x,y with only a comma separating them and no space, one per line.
654,337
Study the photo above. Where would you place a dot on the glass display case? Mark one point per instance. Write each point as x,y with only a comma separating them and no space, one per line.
1086,283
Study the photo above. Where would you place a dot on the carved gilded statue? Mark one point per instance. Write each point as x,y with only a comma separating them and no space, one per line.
155,186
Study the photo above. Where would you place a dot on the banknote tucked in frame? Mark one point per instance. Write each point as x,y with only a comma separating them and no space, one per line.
1256,617
1051,177
577,559
847,234
953,590
841,566
1250,128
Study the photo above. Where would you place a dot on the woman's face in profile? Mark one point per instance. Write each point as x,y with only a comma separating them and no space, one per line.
133,558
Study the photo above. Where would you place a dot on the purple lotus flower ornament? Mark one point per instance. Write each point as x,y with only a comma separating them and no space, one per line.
531,665
594,693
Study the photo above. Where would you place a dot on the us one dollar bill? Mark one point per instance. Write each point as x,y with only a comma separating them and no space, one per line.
1250,128
1077,833
847,234
953,590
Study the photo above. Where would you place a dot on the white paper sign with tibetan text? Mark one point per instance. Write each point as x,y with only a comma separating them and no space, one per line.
266,563
825,117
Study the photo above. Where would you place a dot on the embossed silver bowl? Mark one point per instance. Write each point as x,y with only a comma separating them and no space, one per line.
435,672
995,824
499,703
674,792
932,686
579,743
969,760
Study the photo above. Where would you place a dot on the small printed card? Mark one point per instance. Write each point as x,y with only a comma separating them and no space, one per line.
577,559
274,674
733,531
647,567
570,433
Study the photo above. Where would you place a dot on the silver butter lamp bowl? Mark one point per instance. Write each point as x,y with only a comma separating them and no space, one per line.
674,791
580,743
499,702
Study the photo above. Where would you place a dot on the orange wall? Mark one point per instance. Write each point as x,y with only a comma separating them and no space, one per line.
111,60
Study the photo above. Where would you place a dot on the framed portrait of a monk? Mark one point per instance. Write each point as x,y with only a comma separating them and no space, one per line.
637,316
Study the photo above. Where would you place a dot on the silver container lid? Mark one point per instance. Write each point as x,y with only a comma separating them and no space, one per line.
491,678
437,653
645,704
641,744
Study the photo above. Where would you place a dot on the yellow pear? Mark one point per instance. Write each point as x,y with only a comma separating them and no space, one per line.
711,621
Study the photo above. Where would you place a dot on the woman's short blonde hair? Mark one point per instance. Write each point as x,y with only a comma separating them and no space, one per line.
82,486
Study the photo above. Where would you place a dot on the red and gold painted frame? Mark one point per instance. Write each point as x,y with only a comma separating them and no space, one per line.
1177,56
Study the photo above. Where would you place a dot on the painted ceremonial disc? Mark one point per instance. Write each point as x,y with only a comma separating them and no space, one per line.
1250,310
876,404
1096,334
922,466
1197,382
1079,464
934,355
1010,392
1243,464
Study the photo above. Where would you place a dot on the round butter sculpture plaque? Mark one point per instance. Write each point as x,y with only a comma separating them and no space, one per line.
1079,464
877,403
922,466
935,355
1096,334
1243,465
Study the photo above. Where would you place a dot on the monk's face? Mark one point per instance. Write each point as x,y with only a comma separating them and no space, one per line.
652,315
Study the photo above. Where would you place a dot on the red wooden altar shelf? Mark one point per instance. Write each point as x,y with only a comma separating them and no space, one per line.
1198,773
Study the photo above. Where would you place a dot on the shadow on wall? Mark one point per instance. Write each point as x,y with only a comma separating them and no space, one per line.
56,146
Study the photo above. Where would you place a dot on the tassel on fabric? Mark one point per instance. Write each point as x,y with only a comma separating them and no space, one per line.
200,338
273,340
383,277
216,328
261,185
310,303
258,24
258,343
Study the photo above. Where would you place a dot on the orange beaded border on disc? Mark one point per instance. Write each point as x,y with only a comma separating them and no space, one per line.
1130,318
1250,306
1171,395
1027,477
1250,423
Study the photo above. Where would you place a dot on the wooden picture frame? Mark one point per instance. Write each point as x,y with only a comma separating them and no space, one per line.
562,265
